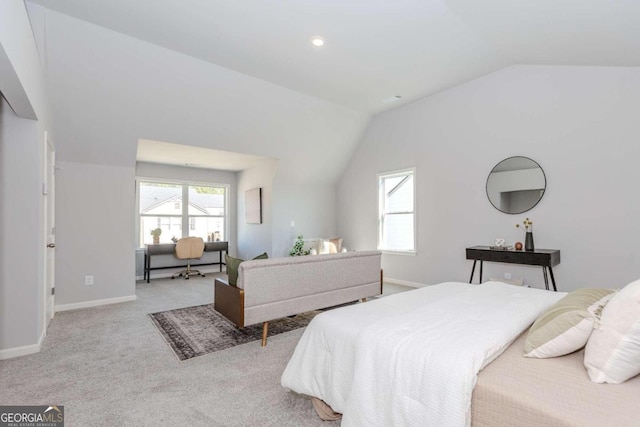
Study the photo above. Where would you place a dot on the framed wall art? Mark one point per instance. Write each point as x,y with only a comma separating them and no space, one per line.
253,206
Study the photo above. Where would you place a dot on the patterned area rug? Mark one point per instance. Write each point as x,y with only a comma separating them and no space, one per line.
199,330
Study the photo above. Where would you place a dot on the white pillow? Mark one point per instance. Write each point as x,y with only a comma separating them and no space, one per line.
612,354
328,247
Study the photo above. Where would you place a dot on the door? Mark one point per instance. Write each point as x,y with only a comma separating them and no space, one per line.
48,190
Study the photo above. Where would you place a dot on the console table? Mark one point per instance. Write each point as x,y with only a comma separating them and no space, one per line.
170,249
546,258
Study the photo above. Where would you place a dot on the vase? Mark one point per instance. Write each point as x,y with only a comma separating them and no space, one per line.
528,242
156,240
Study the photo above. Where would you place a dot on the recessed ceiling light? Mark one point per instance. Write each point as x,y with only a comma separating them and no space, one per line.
317,41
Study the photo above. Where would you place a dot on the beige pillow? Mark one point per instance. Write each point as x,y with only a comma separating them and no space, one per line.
337,241
567,325
613,351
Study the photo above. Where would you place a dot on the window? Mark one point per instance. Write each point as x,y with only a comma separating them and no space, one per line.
396,220
180,210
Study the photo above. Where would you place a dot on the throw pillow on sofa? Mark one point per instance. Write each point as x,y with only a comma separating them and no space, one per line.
330,246
234,263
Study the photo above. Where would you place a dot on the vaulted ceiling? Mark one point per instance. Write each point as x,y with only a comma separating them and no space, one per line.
243,76
375,49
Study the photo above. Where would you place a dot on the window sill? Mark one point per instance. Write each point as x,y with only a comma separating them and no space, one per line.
391,252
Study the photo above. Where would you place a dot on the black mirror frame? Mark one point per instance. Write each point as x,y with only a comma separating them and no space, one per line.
486,186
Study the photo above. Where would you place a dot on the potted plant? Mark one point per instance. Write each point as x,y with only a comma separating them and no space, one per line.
298,248
156,232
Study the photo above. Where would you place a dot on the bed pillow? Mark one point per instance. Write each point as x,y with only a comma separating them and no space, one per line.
612,354
567,325
234,263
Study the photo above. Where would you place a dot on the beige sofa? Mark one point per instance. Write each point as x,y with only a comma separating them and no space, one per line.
273,288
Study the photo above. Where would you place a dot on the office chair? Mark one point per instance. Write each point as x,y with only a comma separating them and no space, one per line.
189,248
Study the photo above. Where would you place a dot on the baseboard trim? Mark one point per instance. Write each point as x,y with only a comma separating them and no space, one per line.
93,303
25,350
404,282
166,275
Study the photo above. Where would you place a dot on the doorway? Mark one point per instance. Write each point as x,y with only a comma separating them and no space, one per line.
48,190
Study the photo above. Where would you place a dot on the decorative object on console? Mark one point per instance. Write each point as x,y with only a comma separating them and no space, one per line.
516,185
298,247
499,245
156,232
528,239
528,242
518,246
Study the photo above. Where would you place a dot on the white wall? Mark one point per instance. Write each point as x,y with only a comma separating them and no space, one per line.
21,231
312,207
22,242
254,239
95,232
109,90
579,123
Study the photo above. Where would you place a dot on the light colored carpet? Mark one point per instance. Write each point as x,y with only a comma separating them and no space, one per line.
109,366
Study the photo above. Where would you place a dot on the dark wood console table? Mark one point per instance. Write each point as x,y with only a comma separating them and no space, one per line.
546,258
170,249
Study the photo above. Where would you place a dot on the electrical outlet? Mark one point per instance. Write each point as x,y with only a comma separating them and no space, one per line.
88,280
507,276
293,223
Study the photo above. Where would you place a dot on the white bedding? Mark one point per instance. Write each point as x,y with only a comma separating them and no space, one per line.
411,358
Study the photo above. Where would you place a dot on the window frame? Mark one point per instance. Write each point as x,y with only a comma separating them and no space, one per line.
382,214
185,217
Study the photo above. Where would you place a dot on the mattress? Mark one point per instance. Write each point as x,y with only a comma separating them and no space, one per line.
517,391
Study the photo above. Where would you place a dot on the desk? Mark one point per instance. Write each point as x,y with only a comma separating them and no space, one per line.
546,258
170,249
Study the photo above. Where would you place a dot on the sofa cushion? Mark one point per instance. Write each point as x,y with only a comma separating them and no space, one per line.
234,263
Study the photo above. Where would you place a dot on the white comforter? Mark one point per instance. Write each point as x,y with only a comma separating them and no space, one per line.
411,359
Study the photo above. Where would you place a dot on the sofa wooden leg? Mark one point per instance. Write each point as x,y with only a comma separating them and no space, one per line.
265,330
363,299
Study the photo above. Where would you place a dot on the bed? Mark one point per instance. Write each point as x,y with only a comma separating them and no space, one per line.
413,359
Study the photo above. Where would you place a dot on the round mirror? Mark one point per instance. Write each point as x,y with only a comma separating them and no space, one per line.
516,185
